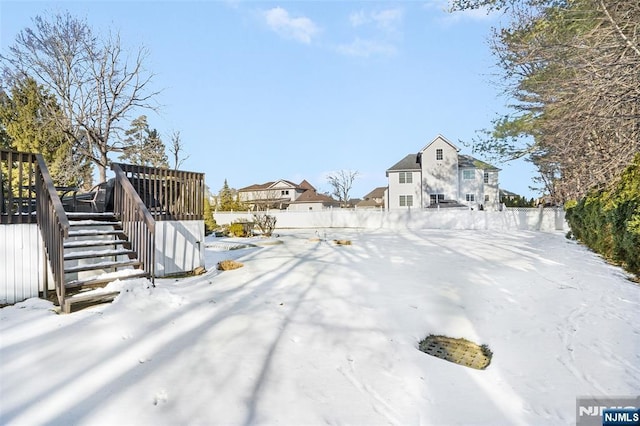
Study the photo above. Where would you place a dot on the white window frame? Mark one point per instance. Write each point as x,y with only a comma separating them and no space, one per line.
471,198
405,177
468,174
486,176
405,200
439,154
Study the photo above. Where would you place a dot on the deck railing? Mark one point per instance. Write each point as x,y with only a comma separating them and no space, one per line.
17,187
53,225
137,221
168,194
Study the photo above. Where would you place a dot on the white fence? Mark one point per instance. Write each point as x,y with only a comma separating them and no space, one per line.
532,219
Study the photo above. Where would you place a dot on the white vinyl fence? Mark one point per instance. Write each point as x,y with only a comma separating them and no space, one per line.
531,219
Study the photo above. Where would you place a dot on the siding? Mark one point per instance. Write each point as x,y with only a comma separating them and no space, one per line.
396,189
21,262
440,176
179,246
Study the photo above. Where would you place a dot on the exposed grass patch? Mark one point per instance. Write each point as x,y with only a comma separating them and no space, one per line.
342,242
459,351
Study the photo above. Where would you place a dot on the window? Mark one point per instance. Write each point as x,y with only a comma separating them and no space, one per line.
470,197
468,174
439,155
406,201
436,198
406,177
486,198
486,177
284,192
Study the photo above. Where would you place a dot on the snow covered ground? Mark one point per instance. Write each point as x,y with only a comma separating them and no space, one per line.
309,332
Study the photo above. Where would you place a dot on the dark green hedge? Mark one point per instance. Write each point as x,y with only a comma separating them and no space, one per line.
609,221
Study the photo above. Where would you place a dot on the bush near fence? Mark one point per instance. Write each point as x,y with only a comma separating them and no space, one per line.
608,222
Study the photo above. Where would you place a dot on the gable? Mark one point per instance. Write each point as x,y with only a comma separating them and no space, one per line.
283,184
440,140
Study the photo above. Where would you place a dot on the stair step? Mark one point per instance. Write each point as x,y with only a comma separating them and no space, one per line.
102,265
92,298
93,232
100,280
91,222
92,216
96,253
92,243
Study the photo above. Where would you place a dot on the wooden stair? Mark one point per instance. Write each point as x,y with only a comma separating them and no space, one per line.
96,252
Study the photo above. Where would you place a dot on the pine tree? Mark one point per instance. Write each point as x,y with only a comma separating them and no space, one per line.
226,199
143,146
28,123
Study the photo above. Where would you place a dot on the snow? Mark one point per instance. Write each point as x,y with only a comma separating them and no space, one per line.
309,332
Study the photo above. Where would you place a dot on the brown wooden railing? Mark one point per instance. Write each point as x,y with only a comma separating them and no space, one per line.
168,194
53,225
17,187
137,221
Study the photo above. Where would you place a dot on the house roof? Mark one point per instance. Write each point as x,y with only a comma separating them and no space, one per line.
256,187
376,193
311,196
505,193
369,203
304,185
467,161
442,138
410,162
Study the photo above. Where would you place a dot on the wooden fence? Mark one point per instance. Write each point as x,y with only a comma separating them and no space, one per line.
136,219
168,194
17,187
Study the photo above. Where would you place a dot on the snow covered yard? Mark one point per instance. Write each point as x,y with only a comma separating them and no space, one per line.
309,332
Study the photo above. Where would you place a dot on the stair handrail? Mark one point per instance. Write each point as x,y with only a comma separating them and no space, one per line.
53,225
137,221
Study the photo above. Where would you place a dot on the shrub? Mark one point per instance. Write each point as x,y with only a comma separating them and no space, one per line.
608,222
241,228
266,223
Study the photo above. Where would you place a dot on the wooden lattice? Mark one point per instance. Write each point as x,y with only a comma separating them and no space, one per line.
460,351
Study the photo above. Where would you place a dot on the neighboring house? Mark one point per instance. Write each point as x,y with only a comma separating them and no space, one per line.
374,199
284,194
311,200
506,196
439,174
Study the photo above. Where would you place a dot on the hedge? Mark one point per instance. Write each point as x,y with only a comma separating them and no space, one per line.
608,222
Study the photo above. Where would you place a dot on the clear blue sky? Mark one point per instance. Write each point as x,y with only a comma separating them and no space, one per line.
266,90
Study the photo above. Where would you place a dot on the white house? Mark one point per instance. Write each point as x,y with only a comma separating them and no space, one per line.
274,195
439,175
284,194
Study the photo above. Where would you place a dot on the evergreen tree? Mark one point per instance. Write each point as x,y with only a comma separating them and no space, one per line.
143,146
226,199
28,123
209,221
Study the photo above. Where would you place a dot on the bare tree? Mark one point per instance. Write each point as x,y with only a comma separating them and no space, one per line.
341,182
177,150
96,82
573,73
